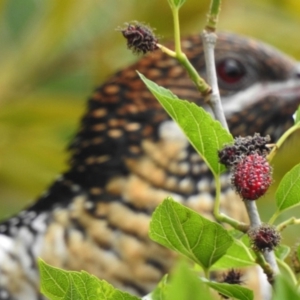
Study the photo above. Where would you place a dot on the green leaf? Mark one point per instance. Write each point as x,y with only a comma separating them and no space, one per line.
237,256
282,251
288,191
160,291
205,134
183,230
297,115
285,290
176,3
186,285
88,286
58,284
232,290
72,293
54,282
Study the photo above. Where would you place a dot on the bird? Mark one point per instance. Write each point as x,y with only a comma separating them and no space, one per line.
128,155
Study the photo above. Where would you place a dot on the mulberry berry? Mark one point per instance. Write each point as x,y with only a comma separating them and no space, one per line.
232,277
264,237
252,176
140,38
230,155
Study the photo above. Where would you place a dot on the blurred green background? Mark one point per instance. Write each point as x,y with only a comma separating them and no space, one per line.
53,53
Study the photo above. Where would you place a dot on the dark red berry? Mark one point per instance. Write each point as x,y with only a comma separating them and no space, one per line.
231,277
264,237
230,155
252,176
140,38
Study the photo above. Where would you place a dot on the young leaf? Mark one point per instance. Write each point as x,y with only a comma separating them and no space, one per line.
205,134
183,230
185,285
58,284
282,251
160,291
288,191
232,290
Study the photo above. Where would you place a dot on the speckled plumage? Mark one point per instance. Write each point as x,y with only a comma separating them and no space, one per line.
126,158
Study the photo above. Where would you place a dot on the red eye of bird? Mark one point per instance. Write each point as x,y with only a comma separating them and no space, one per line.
230,70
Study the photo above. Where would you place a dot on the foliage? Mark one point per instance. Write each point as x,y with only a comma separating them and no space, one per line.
203,242
207,136
58,285
188,233
71,65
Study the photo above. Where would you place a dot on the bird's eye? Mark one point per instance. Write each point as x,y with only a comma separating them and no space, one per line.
230,70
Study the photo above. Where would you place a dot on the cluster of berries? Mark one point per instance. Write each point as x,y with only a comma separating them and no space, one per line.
251,172
251,178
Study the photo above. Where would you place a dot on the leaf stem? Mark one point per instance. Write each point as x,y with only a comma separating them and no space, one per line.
212,17
274,217
291,221
213,99
282,140
175,12
206,273
288,270
252,213
209,39
269,256
222,217
265,265
200,83
167,50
